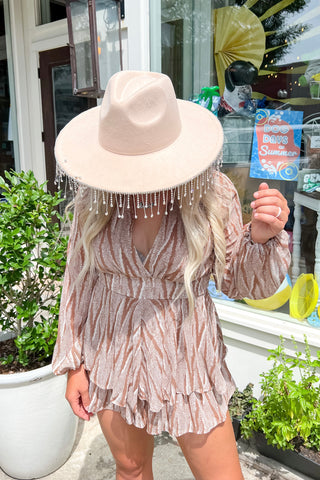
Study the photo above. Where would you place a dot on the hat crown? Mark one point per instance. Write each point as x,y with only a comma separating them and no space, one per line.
139,113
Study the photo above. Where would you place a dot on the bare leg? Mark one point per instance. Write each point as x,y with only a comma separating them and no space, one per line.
131,447
212,456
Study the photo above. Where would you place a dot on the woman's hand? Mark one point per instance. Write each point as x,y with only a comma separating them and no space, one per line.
270,213
77,392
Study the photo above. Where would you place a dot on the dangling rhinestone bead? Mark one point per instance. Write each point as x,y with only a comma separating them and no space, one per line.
134,199
158,202
171,199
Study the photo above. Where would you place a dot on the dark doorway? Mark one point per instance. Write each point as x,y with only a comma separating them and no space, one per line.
6,127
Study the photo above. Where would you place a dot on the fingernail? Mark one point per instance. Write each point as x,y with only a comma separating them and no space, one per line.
252,204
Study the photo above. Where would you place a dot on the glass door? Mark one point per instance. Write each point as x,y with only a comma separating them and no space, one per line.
59,105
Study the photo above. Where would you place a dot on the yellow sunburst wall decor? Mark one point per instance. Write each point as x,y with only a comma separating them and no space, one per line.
256,31
238,35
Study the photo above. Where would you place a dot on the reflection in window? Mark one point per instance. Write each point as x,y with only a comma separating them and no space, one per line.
66,105
249,62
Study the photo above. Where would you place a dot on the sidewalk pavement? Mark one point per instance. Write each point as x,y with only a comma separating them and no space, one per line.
91,460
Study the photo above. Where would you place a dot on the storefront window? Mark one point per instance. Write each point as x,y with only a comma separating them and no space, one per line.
256,65
7,117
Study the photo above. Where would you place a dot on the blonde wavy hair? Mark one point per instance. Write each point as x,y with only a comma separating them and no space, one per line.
204,221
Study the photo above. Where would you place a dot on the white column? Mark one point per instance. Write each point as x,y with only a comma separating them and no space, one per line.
137,22
155,35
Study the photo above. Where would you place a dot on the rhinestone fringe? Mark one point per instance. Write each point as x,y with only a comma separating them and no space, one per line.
122,201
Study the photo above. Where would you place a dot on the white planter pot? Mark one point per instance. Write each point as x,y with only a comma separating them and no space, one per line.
37,425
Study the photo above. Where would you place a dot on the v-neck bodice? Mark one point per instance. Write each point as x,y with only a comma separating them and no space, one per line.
165,259
158,237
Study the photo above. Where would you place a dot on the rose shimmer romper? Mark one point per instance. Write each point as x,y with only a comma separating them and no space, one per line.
128,322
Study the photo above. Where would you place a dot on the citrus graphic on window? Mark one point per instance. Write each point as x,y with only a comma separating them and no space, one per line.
276,144
304,296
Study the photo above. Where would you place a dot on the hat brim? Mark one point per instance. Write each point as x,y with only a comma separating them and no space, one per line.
82,158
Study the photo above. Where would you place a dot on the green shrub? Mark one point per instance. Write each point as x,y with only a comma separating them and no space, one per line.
32,263
288,413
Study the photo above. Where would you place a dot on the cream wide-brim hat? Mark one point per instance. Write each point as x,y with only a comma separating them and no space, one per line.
141,139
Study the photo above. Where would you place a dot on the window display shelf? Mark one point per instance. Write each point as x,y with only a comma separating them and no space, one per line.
261,328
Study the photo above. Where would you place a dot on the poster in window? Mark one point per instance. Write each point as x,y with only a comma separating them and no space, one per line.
276,144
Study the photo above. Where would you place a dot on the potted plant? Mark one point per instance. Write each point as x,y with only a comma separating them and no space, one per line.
37,426
286,421
240,405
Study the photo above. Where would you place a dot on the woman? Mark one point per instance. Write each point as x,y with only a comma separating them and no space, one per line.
154,218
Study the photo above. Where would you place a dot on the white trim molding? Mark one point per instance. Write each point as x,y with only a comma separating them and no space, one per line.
19,61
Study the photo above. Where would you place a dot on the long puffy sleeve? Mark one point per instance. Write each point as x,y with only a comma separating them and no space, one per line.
253,270
74,306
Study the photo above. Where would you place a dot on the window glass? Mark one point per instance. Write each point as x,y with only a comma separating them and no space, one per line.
256,65
82,45
51,11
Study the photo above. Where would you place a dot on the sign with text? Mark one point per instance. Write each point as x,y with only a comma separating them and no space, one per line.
276,144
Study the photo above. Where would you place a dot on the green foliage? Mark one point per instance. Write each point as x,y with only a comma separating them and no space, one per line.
37,342
32,263
240,403
289,413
